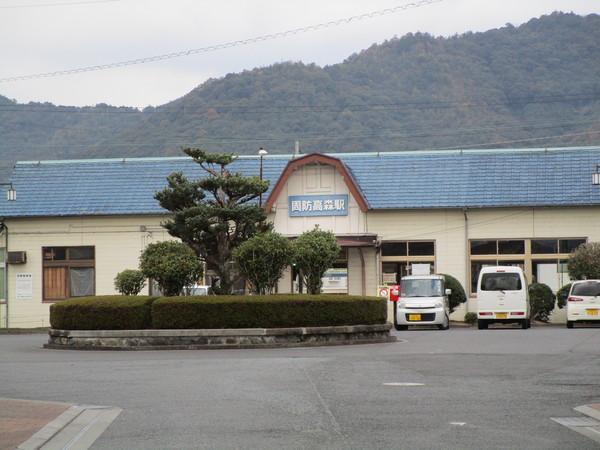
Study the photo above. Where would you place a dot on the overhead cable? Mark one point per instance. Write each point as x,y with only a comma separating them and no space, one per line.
213,48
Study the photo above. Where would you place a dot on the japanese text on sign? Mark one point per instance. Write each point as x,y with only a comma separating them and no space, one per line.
318,205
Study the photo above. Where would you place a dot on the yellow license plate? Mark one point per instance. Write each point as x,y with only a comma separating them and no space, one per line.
592,312
501,315
414,317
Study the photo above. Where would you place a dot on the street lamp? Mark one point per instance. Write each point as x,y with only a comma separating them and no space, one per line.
11,194
261,152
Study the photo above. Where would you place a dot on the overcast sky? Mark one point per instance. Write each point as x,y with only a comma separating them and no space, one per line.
48,36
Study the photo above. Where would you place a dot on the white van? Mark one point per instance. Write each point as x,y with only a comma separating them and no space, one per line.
583,302
423,300
502,297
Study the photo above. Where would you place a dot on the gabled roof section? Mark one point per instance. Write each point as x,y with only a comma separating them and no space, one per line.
318,158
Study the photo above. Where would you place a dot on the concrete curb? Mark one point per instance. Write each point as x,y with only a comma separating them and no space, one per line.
202,339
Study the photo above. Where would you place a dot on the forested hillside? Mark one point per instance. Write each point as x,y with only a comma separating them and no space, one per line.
535,85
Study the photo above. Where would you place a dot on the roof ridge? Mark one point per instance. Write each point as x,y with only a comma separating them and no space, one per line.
336,155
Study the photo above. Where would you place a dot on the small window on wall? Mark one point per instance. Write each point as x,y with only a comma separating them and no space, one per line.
418,248
68,272
394,249
568,245
544,246
410,248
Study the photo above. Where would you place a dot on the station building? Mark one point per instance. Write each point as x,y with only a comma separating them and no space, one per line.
68,227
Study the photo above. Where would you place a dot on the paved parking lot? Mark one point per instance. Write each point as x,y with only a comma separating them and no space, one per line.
462,388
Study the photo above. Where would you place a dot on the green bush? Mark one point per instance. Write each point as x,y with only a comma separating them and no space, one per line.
173,265
457,296
130,282
562,294
262,259
272,311
110,312
542,301
471,318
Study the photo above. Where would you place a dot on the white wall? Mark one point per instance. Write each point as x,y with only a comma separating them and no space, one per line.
118,242
316,179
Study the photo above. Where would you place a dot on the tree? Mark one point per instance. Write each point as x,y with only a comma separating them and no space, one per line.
314,252
173,265
584,262
457,296
262,260
214,215
130,282
542,301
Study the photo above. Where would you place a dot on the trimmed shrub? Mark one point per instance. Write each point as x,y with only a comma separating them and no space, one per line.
562,294
542,301
110,312
262,259
173,265
314,252
457,296
272,311
471,318
130,282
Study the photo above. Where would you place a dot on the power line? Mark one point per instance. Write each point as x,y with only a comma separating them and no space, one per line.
405,135
43,5
213,48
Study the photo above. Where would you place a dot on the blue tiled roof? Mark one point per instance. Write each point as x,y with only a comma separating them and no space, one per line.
439,179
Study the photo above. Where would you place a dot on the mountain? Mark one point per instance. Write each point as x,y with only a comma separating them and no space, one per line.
534,85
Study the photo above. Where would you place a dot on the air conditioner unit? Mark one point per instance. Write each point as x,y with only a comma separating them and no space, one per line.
16,257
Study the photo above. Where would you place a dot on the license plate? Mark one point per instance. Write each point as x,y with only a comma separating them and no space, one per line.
416,317
592,312
501,315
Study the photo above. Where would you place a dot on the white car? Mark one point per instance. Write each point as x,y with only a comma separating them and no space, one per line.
583,302
423,300
198,289
502,297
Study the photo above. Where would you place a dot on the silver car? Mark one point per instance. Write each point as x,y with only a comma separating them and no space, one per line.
423,300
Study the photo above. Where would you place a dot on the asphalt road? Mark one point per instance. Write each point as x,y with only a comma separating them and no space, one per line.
463,388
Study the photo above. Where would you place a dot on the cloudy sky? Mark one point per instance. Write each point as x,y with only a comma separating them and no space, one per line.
58,37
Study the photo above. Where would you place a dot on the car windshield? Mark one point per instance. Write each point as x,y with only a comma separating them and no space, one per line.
501,281
421,288
589,289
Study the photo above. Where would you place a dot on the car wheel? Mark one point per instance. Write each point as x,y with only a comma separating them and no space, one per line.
446,324
400,327
482,324
524,324
569,324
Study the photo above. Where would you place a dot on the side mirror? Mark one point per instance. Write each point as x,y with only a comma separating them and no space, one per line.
448,291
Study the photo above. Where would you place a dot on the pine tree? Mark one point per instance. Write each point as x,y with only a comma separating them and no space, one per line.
214,215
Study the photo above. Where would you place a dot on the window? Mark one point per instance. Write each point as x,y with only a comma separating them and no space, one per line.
501,282
394,249
68,272
542,260
544,246
400,258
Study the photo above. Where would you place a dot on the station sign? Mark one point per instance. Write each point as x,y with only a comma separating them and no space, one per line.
318,205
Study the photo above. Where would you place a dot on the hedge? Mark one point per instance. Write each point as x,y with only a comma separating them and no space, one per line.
268,311
110,312
216,312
